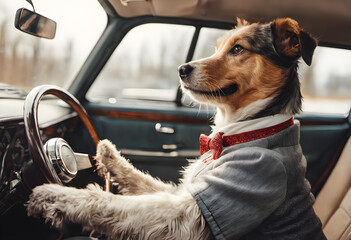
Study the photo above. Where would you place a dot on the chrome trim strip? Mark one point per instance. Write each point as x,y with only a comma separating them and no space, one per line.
173,154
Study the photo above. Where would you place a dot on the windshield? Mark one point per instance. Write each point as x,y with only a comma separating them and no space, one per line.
27,61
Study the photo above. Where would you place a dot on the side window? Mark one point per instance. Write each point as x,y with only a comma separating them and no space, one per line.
144,65
326,84
206,44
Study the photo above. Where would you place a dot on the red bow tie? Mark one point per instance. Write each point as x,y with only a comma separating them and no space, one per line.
215,144
219,141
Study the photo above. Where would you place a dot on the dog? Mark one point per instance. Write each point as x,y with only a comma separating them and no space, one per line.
249,182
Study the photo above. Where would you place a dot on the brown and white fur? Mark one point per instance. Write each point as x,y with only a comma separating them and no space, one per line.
252,74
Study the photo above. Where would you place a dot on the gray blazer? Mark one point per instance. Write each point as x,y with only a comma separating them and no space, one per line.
257,190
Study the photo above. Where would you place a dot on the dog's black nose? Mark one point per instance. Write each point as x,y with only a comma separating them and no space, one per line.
185,70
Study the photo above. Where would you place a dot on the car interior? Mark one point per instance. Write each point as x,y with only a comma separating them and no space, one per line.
159,130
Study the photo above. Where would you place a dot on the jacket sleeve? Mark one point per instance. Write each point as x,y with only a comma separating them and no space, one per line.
242,189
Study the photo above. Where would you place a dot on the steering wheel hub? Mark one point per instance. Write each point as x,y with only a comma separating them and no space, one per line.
62,158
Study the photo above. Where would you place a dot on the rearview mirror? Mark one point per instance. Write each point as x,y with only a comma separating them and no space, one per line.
35,24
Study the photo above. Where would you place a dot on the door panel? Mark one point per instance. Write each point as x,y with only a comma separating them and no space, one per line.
322,141
159,143
164,154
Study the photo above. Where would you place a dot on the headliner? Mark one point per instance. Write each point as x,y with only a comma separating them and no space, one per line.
329,21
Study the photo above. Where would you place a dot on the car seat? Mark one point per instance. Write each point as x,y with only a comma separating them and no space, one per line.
333,203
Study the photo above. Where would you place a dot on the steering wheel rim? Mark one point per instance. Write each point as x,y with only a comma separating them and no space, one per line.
31,126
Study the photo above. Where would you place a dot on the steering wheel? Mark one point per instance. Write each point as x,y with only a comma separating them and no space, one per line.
56,160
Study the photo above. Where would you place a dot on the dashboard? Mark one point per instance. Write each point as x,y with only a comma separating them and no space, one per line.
56,119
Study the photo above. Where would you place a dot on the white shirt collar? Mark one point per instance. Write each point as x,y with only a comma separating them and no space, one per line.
250,125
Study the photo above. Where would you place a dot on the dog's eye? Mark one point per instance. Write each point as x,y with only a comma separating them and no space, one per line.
236,50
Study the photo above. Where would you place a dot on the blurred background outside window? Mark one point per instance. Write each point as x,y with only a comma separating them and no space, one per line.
27,61
144,66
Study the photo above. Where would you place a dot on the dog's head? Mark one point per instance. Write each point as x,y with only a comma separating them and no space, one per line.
253,70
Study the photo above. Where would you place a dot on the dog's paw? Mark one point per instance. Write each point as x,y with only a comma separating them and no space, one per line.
94,187
44,202
107,156
106,149
100,167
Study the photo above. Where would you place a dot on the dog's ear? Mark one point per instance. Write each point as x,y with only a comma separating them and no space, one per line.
241,22
291,41
308,44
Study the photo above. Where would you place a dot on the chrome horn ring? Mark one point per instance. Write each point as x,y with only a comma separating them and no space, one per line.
66,162
62,158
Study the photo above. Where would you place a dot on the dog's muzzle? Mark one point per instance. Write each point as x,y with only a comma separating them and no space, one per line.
185,71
